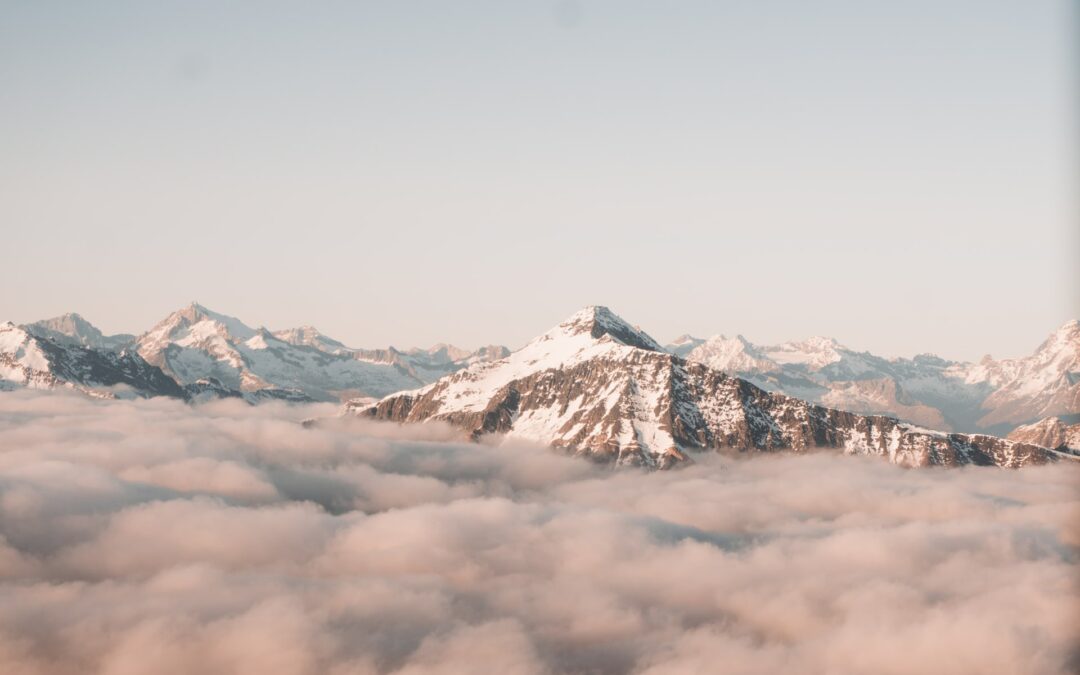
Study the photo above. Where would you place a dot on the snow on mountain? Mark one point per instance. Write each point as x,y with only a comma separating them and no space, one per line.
1051,432
683,345
212,352
72,329
733,355
1044,384
599,387
311,337
27,359
195,343
428,365
927,390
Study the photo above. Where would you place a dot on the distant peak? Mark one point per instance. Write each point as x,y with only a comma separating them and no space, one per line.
738,338
72,318
684,338
448,351
71,325
193,313
1064,339
1072,326
822,342
598,321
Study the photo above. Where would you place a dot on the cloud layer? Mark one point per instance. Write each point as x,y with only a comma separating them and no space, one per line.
148,536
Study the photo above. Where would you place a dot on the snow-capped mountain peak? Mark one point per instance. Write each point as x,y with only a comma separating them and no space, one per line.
22,348
597,386
311,337
593,332
1062,346
598,321
445,352
815,353
195,314
73,329
1041,385
196,345
1051,432
733,355
30,359
683,345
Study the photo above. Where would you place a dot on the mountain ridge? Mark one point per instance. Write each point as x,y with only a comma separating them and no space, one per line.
989,396
598,387
211,354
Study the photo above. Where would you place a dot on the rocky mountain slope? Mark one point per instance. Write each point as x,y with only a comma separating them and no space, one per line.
1052,432
989,396
29,360
599,387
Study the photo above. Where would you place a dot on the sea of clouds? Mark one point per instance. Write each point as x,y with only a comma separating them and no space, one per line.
155,537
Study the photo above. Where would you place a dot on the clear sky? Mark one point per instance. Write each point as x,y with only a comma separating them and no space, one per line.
902,176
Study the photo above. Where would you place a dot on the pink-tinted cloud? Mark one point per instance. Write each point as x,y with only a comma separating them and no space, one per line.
149,536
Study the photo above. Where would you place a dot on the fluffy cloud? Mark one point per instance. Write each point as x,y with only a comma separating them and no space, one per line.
149,536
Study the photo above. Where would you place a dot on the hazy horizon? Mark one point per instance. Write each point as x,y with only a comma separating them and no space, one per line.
663,339
900,177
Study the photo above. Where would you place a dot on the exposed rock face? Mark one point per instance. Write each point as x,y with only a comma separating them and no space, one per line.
29,360
599,387
990,396
1051,432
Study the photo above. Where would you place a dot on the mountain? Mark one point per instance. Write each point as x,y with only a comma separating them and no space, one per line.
27,359
683,345
309,336
72,329
990,396
1044,384
210,354
600,387
213,353
1052,432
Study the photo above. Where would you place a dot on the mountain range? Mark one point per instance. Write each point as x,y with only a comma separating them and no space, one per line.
204,354
195,353
991,396
601,388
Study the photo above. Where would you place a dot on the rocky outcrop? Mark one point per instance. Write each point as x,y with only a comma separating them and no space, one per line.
1051,432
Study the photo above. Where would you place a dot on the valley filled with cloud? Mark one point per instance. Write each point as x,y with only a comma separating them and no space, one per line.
153,536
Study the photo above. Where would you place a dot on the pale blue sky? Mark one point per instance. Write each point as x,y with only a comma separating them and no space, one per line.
901,176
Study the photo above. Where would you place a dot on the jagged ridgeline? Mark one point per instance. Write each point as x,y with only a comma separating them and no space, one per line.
594,385
600,387
197,354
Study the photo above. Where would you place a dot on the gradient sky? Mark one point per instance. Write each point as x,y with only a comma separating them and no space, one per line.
902,176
